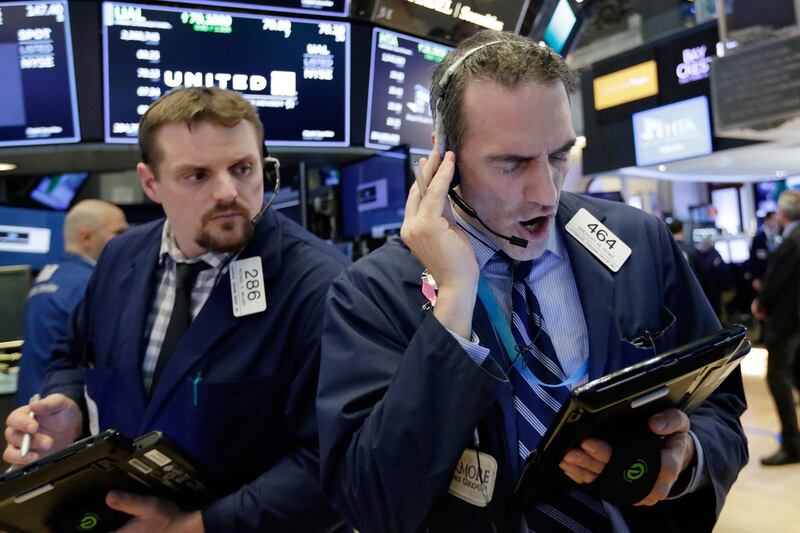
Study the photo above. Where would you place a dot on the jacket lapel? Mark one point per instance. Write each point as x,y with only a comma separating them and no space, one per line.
216,319
595,286
137,284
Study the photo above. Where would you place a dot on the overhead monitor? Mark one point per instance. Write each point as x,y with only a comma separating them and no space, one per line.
30,236
58,191
626,85
447,20
295,71
672,132
374,192
291,198
399,104
558,24
38,103
324,7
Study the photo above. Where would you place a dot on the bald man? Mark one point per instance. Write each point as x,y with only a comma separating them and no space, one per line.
89,225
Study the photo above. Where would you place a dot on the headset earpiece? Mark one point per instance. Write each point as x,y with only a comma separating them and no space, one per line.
442,146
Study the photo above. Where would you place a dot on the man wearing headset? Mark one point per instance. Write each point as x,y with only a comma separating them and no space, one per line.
224,364
424,420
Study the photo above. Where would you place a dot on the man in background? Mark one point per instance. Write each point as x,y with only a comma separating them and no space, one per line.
676,228
764,243
89,225
779,304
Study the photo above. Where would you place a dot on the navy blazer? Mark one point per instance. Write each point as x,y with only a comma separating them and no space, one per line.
399,399
252,424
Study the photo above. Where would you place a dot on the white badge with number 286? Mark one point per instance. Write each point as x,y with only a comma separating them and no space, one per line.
598,239
247,287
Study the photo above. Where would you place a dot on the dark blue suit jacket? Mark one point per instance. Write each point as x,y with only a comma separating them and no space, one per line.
254,426
399,398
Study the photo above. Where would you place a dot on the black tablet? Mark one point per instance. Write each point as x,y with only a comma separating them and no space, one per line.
682,378
65,491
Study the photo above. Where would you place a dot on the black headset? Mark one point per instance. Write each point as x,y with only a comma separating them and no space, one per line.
271,167
442,145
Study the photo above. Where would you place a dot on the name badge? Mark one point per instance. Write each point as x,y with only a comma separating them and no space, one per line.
247,287
472,483
598,239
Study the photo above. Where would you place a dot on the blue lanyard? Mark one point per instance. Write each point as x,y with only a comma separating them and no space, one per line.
502,328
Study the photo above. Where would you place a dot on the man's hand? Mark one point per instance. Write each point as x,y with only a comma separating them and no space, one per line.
677,451
758,313
434,238
153,515
58,423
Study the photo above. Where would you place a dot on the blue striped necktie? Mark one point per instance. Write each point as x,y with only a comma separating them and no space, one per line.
536,407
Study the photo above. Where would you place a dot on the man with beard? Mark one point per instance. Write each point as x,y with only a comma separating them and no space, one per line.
204,325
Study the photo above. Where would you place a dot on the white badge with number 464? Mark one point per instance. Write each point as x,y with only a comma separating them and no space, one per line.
247,287
598,239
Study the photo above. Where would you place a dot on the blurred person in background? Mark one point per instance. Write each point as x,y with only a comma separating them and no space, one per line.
764,243
89,225
779,304
713,273
676,228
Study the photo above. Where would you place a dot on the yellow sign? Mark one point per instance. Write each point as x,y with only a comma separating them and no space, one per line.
626,85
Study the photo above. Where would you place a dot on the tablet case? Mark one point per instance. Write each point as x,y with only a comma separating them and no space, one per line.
682,378
65,491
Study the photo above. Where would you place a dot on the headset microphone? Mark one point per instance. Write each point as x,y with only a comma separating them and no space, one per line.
513,239
272,166
441,147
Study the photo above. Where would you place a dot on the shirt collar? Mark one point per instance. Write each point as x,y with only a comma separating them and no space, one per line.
790,227
485,248
81,257
169,248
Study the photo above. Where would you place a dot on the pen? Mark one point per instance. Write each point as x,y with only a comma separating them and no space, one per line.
26,439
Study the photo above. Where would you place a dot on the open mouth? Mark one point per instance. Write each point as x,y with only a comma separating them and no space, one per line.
536,225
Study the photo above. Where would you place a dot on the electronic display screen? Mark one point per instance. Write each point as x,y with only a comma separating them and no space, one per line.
399,105
30,236
560,26
447,20
671,132
766,193
59,190
39,103
327,7
374,192
296,72
291,198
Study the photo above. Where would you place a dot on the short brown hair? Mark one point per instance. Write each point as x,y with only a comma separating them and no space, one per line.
511,61
191,105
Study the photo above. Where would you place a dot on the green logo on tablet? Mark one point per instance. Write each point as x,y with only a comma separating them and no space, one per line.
88,522
636,470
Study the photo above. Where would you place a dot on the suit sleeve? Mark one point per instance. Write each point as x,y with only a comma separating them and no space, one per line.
287,497
716,422
394,412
